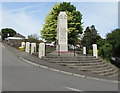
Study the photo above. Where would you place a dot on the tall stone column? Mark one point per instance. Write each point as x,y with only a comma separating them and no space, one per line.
27,48
95,52
41,50
62,32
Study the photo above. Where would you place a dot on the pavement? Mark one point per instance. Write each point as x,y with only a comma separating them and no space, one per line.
25,72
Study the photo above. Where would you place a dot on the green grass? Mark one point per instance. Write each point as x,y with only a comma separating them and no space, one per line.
50,49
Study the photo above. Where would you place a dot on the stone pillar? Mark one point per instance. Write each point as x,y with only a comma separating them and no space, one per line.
33,48
27,48
84,50
62,32
95,52
23,44
41,50
1,60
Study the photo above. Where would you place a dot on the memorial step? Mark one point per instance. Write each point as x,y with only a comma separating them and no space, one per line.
85,63
77,62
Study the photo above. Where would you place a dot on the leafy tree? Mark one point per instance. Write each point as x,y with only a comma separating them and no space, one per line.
0,33
114,39
74,17
33,36
7,32
100,42
105,51
90,36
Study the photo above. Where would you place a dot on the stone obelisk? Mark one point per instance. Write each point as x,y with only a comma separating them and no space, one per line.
62,33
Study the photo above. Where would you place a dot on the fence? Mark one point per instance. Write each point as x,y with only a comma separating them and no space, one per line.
51,50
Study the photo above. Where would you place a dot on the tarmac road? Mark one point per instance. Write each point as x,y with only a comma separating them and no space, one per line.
17,75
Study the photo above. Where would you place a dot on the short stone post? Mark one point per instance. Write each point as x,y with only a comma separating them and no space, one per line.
23,44
84,50
41,50
95,52
27,48
33,48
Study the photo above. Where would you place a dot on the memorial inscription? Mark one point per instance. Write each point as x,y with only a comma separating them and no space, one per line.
62,32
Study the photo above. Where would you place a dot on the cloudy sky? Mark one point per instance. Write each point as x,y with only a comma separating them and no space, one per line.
28,17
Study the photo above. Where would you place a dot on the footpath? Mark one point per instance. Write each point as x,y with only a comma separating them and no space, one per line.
34,60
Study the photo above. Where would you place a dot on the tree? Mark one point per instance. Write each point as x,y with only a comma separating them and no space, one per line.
105,51
114,39
100,42
33,36
74,17
90,36
7,32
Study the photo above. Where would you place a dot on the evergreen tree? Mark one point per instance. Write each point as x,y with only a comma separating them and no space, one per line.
7,32
114,39
90,36
74,17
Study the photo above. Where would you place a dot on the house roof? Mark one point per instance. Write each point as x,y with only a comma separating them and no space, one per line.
19,35
14,38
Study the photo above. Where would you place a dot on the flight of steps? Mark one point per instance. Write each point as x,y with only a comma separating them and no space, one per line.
85,63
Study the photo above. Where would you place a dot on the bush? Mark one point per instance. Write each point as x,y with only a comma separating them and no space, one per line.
105,51
90,52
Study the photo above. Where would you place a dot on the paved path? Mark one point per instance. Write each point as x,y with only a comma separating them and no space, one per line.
21,76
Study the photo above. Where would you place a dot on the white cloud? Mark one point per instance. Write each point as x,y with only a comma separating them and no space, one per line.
24,8
22,23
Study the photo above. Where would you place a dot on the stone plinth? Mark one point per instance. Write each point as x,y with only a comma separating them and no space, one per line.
23,44
33,48
41,50
84,50
27,48
95,52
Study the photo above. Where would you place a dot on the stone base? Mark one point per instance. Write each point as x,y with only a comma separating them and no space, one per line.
61,48
63,54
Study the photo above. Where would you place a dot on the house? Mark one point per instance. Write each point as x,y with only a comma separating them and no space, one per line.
15,41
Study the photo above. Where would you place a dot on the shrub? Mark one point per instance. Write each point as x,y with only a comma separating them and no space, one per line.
105,51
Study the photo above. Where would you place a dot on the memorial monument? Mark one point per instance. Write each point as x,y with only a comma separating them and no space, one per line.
62,33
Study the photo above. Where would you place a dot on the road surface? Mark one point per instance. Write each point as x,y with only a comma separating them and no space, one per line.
17,75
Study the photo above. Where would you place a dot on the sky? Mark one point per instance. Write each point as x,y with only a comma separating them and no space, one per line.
28,17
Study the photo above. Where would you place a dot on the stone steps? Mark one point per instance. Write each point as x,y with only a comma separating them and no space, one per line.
109,72
86,66
71,59
104,71
113,75
85,63
79,63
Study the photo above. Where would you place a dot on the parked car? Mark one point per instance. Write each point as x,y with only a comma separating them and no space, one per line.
115,61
